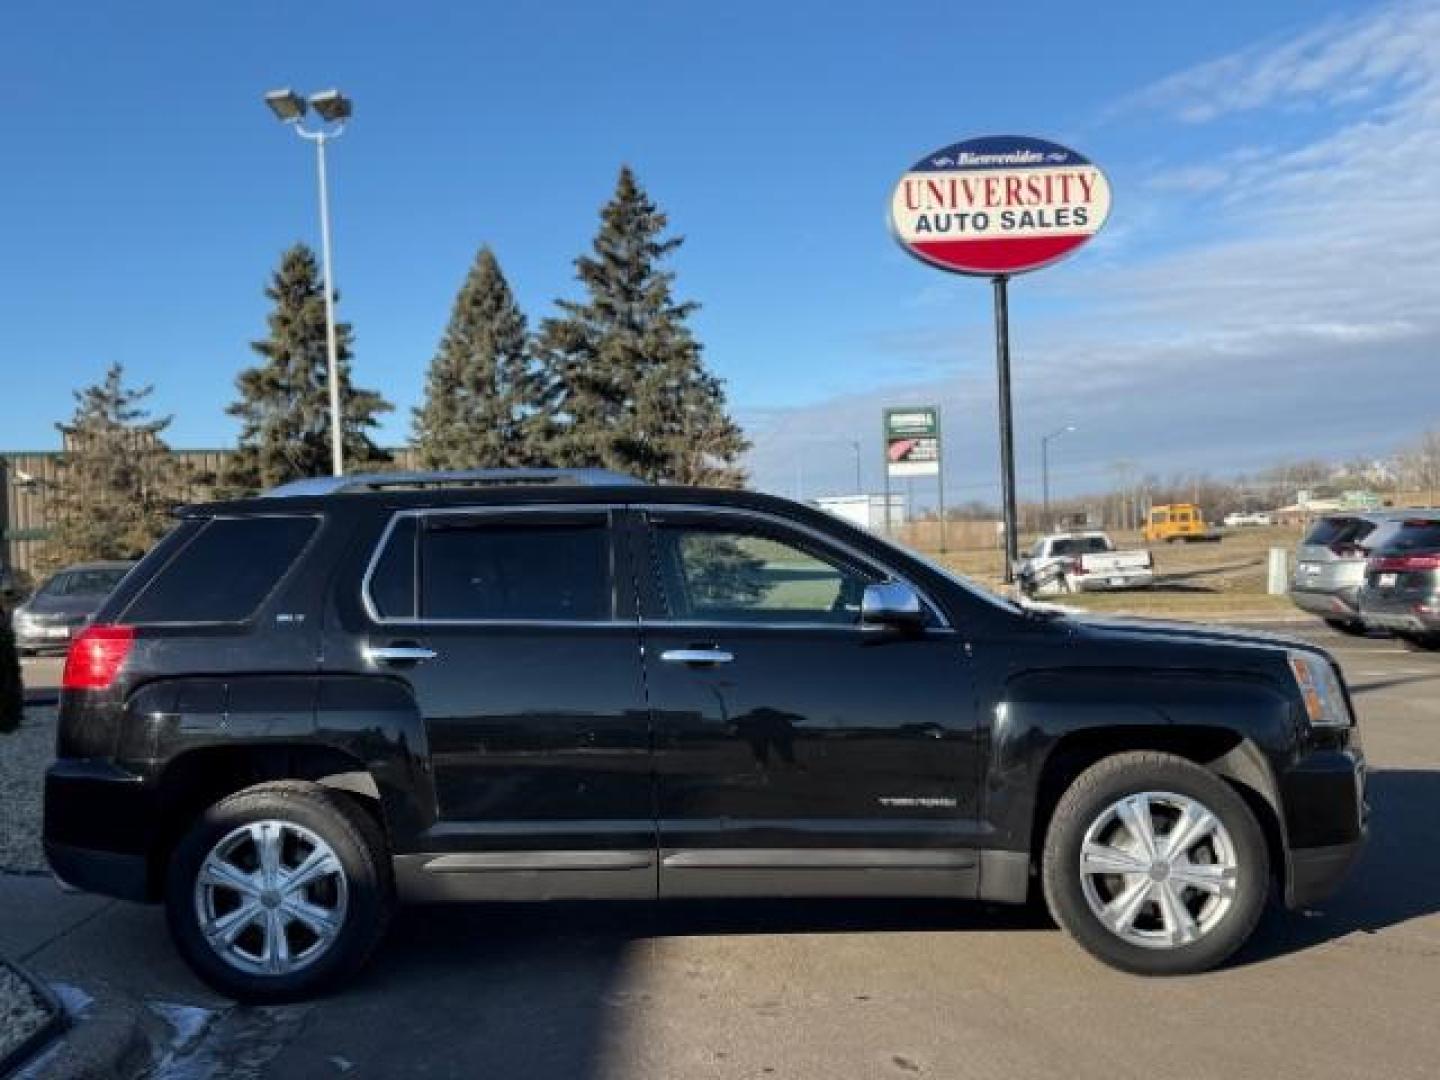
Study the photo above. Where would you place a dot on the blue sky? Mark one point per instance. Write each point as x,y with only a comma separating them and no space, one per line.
1265,286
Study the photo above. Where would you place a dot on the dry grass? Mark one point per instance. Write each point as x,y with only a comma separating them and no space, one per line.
1222,580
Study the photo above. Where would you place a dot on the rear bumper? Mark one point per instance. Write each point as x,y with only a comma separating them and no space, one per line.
1402,614
110,873
99,822
1331,604
1101,582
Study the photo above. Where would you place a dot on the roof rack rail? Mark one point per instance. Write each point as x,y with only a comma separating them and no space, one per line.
439,481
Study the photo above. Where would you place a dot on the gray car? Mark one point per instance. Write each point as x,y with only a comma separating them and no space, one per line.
1402,582
65,604
1330,564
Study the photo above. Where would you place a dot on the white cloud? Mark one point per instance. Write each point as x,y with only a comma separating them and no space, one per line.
1308,323
1341,61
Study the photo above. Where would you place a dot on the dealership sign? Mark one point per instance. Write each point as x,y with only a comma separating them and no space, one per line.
998,205
912,442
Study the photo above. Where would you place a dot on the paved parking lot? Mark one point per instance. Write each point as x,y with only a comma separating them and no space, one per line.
858,990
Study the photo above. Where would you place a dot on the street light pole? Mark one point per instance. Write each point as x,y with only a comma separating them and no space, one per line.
334,108
1045,471
859,483
337,429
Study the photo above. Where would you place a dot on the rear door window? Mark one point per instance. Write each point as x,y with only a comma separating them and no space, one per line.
479,568
225,573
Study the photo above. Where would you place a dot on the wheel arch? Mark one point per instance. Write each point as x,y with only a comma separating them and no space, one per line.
1054,725
197,779
1227,753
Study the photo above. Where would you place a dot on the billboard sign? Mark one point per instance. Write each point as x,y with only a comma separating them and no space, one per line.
912,441
998,205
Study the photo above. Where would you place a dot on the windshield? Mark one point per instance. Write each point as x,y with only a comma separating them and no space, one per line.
83,583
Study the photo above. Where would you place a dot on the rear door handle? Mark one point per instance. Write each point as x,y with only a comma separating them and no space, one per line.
399,654
697,656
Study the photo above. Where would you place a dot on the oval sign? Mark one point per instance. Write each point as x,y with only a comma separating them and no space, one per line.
998,205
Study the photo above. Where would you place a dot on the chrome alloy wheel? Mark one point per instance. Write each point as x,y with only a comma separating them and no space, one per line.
271,897
1159,870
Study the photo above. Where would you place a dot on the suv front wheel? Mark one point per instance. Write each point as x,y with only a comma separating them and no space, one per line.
1155,865
278,891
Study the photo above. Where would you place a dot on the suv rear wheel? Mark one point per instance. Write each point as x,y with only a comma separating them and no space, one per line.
1154,865
278,891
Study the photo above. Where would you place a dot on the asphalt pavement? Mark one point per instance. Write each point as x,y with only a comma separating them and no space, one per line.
838,989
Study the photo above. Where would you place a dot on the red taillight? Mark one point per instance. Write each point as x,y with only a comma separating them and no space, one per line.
1077,567
1402,563
96,657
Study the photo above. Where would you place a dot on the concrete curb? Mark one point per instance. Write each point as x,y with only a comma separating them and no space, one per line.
44,1035
107,1040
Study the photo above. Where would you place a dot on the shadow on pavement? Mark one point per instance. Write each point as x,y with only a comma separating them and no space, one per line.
540,991
1396,879
543,991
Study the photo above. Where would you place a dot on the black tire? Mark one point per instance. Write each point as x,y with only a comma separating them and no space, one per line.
356,841
1420,642
1087,801
1352,627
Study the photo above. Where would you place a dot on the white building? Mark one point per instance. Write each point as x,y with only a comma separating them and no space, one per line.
867,511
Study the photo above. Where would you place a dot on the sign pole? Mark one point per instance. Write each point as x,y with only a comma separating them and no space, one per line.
885,467
940,479
1007,434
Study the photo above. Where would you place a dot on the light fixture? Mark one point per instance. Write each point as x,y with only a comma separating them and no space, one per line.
286,104
332,106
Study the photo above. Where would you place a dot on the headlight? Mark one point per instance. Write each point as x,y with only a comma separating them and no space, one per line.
1320,690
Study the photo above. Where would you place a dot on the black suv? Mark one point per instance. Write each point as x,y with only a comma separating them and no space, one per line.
539,685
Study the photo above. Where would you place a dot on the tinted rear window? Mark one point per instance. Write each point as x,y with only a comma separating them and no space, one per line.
1331,531
1081,545
1416,536
225,573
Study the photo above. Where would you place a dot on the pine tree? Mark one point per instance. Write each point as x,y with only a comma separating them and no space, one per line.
118,480
629,389
284,405
482,395
12,694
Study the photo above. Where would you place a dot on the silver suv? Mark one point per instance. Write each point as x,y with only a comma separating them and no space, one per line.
1330,564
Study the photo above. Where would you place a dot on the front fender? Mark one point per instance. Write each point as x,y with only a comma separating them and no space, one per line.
1239,724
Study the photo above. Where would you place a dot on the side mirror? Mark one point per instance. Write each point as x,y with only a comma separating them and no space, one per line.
891,603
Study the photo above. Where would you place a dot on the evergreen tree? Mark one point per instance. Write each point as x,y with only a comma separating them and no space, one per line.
12,695
627,381
117,479
284,405
482,396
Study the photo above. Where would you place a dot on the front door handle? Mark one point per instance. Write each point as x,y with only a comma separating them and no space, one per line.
398,654
697,656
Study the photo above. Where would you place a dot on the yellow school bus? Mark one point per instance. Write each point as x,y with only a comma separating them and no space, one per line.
1177,521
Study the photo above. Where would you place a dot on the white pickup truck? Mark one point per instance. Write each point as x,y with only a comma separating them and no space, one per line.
1082,562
